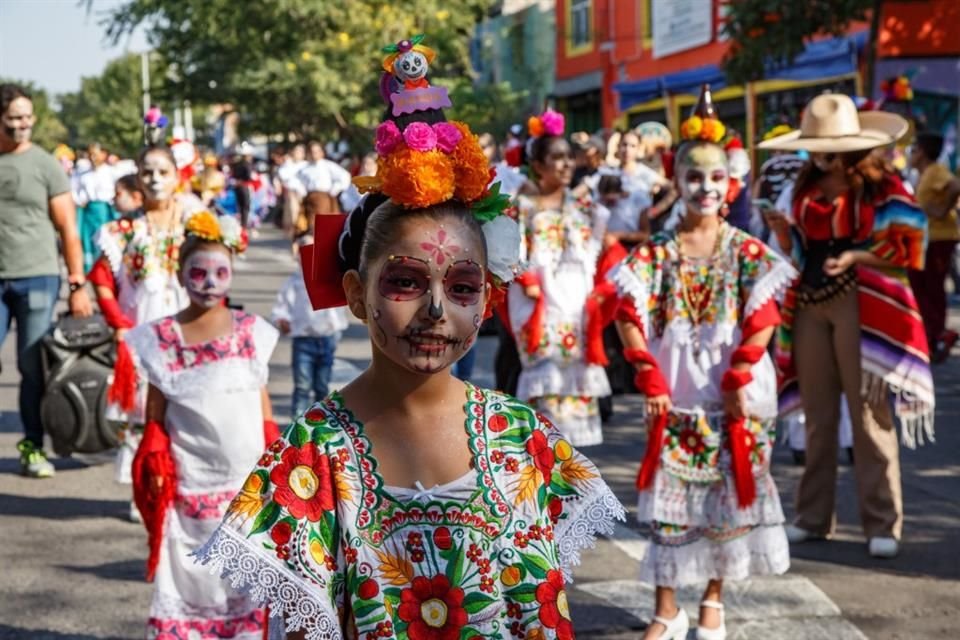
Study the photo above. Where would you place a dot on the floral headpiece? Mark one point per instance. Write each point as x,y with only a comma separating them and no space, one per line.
897,89
213,228
704,123
549,123
154,122
418,165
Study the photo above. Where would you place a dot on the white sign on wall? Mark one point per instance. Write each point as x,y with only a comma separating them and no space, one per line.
679,25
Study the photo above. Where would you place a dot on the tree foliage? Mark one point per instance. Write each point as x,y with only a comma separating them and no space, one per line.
769,34
48,131
109,108
305,67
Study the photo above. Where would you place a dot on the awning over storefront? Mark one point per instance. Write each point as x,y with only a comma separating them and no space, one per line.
821,59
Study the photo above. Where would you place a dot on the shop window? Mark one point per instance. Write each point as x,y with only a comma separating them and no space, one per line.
579,26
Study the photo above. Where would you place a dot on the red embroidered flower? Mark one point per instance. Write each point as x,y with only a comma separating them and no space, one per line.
368,589
512,465
497,456
569,341
498,423
752,248
691,441
432,609
302,480
281,532
138,262
442,538
543,456
124,224
556,508
554,611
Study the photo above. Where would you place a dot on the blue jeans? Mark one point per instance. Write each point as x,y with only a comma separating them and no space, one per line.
463,368
29,302
312,366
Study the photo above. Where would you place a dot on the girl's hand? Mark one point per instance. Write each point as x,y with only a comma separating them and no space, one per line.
835,266
532,291
735,403
658,405
118,335
156,485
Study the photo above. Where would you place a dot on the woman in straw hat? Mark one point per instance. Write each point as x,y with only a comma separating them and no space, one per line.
852,324
699,309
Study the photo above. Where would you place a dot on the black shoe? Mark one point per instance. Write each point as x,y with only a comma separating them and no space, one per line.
799,457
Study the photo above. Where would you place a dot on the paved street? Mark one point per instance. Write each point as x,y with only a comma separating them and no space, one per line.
72,566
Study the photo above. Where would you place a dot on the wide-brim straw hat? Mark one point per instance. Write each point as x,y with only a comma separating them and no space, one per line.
832,124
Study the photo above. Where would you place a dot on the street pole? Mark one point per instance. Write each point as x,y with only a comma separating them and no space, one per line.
145,80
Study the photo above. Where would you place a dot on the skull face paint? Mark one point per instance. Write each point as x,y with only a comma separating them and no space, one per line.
704,178
411,66
158,177
206,275
427,309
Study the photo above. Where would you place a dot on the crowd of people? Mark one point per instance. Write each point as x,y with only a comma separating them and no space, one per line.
414,502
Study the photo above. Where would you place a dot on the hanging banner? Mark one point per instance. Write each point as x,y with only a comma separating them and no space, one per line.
679,25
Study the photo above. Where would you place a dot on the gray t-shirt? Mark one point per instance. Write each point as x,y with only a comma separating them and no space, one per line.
28,240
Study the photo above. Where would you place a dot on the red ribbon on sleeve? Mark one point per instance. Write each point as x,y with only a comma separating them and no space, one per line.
601,309
154,460
739,439
123,389
533,327
650,382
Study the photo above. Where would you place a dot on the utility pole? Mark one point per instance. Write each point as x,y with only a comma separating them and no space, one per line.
145,80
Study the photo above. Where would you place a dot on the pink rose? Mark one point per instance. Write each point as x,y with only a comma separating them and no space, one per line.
388,137
553,122
448,136
420,136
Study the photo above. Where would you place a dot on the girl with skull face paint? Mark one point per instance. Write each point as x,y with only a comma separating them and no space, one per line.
399,506
699,308
208,415
136,282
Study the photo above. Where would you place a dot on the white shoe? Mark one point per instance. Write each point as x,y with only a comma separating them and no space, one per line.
135,513
676,629
719,633
882,547
796,535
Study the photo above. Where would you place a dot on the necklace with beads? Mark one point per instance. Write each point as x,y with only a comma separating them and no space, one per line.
696,299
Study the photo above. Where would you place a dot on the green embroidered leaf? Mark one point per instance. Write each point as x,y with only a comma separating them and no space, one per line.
299,435
455,561
522,593
264,479
266,518
516,435
322,435
561,487
365,609
476,601
536,565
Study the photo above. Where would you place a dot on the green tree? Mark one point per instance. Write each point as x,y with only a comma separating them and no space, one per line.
771,33
109,108
49,131
302,67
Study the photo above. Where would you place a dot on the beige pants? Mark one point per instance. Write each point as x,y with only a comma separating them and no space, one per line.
826,342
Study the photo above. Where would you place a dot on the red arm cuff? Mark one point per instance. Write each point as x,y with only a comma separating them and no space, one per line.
271,432
113,315
767,315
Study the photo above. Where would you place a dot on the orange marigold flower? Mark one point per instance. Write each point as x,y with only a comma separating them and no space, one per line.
417,179
204,224
472,169
534,126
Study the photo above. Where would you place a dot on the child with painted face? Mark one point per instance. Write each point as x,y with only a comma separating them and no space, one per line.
412,504
698,311
208,416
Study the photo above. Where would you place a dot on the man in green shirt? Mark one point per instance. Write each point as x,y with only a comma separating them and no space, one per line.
35,207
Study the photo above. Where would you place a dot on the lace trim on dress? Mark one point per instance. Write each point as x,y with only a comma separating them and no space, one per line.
629,284
772,285
576,379
580,529
108,241
233,557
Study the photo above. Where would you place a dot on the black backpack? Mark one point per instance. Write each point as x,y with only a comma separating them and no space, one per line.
78,359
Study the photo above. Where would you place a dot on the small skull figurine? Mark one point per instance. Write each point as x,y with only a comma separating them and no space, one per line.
411,69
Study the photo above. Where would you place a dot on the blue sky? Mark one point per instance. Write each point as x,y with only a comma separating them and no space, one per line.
54,43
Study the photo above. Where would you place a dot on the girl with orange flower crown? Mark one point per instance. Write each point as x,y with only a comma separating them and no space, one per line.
412,504
699,308
208,415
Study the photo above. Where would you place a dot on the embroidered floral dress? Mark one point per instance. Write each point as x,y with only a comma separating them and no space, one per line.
691,512
561,249
317,533
215,422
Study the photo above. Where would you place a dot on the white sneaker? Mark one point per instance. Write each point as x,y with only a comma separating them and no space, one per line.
134,514
718,633
796,535
676,629
882,547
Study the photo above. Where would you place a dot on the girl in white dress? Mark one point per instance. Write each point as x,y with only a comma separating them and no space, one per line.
562,242
208,419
